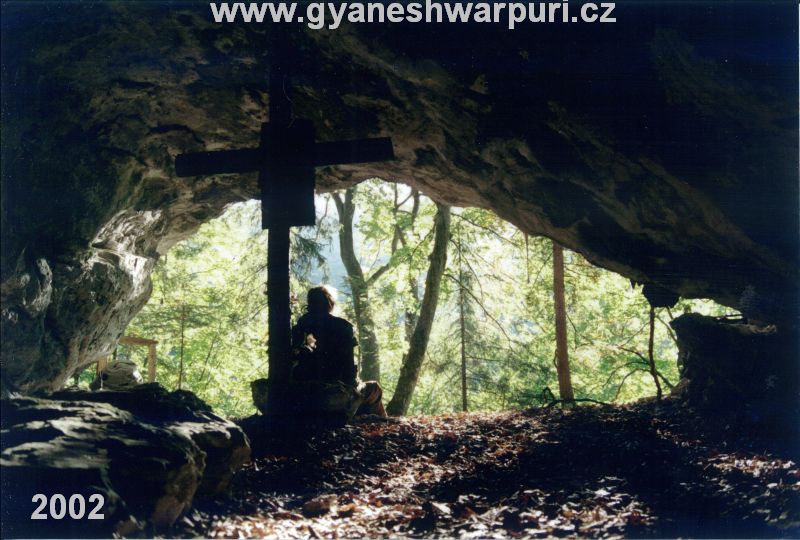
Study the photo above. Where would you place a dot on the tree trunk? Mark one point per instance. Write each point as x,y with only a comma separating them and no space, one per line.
462,325
183,326
412,364
413,288
562,354
464,405
365,324
411,313
650,358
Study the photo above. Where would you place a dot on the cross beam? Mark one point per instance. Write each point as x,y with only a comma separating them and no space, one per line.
287,151
251,159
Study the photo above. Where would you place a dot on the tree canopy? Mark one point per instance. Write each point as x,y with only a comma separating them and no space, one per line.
493,336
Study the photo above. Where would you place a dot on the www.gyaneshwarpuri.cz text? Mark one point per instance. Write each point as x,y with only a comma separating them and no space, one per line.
330,15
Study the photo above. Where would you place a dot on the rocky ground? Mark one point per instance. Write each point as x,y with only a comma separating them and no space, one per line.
641,471
149,454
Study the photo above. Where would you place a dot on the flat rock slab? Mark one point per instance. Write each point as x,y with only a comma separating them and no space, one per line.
148,452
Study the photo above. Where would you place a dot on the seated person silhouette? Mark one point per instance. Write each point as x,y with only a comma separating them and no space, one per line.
323,348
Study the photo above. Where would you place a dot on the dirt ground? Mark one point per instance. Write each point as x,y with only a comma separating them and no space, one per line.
592,471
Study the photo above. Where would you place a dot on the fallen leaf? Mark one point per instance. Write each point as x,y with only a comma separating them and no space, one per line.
318,506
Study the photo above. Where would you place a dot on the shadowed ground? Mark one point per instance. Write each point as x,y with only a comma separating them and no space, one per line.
640,471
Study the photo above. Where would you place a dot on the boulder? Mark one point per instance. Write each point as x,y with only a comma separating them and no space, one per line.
148,452
225,445
728,364
119,375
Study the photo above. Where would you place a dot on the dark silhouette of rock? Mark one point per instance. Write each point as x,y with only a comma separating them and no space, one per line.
147,451
731,365
659,296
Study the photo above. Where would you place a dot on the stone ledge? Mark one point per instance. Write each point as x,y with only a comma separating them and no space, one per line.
149,452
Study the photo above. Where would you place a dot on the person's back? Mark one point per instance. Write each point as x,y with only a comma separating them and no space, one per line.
323,346
329,353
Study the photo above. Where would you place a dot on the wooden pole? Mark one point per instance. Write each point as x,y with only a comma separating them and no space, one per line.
151,363
134,340
278,303
272,206
101,365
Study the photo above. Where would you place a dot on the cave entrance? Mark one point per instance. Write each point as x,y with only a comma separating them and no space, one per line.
209,310
285,160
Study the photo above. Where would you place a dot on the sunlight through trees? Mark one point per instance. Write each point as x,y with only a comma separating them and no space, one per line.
492,339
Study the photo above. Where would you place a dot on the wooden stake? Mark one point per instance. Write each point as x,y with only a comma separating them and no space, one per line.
101,365
151,363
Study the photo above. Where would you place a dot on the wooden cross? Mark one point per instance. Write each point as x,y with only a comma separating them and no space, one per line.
285,160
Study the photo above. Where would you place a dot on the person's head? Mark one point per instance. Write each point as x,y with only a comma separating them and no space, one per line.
320,301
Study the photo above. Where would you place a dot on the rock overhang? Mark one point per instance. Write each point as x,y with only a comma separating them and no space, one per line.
662,147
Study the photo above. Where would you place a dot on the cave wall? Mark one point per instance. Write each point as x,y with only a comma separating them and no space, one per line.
662,147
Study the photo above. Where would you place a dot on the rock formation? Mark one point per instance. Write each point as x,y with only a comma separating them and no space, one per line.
149,453
727,363
662,147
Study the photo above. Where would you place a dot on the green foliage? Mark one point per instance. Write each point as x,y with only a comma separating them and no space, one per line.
211,288
511,342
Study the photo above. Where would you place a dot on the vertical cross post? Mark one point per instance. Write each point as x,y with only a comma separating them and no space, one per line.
278,303
278,245
287,195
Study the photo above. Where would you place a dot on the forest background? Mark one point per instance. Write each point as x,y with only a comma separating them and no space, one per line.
492,333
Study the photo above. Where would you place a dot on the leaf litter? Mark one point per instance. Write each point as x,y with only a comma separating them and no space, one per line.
645,470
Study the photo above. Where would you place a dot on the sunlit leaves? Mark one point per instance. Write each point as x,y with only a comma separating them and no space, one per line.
211,289
216,279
